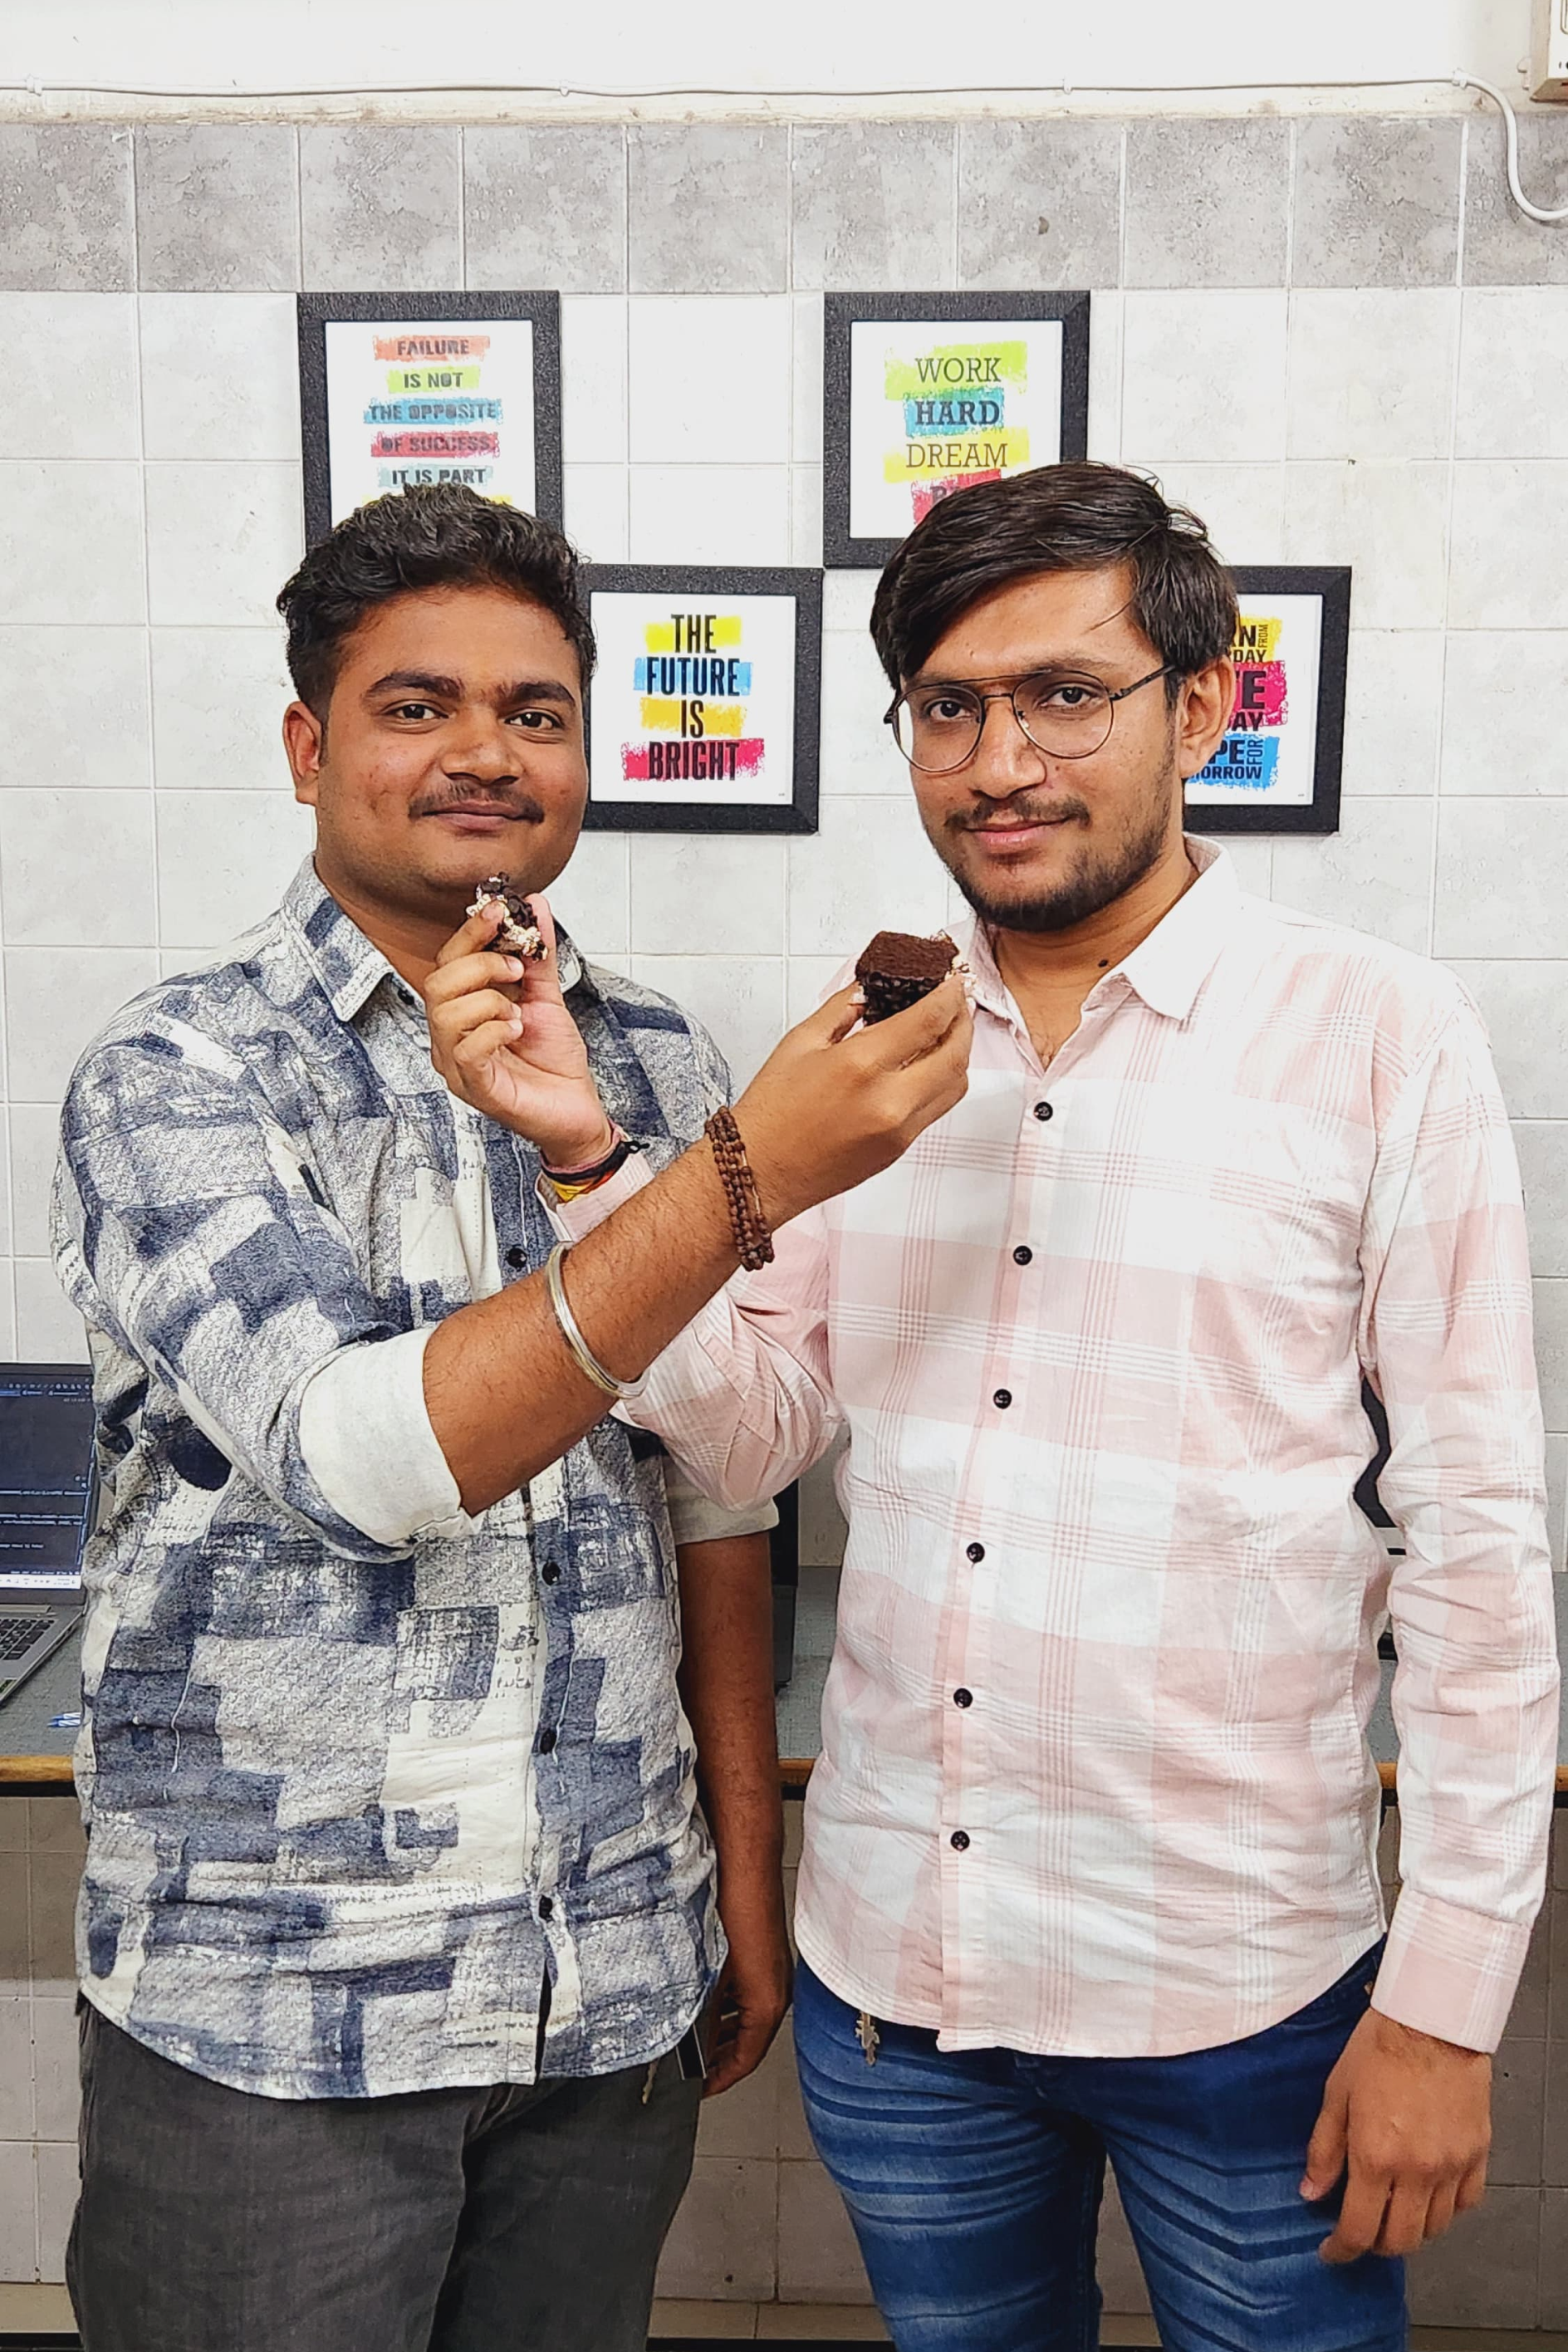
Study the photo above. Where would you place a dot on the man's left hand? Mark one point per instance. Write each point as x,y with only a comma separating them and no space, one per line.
753,1995
1406,2121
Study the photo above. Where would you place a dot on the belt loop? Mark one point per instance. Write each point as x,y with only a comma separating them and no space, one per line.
867,2035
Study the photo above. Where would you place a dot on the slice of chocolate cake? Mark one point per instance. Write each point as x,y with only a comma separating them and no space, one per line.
897,969
520,934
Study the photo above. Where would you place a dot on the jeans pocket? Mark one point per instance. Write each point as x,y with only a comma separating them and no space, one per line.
1347,1996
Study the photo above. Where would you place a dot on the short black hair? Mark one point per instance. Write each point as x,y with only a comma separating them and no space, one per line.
438,535
1073,517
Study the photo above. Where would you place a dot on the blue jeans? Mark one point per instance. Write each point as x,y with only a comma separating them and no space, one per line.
974,2180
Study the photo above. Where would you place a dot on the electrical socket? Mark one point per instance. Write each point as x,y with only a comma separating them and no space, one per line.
1549,52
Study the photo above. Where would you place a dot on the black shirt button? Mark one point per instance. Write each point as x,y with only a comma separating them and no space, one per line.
959,1841
964,1698
551,1572
1044,1111
546,1907
516,1257
1022,1255
1004,1397
546,1742
976,1552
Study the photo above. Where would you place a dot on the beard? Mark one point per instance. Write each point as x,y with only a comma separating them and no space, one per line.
1096,877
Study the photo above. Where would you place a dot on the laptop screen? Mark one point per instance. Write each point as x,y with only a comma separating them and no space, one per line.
46,1473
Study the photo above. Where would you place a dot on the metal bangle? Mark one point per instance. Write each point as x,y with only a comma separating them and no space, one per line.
581,1355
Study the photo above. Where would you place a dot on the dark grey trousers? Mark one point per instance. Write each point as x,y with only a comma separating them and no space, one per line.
484,2221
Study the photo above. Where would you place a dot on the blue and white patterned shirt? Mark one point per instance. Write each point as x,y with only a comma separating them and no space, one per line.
359,1771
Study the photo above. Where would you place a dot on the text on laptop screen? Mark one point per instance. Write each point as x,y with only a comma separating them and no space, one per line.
46,1473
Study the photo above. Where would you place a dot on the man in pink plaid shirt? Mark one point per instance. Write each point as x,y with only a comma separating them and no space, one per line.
1089,1869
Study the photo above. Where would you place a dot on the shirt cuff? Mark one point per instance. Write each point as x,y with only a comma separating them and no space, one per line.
693,1520
1450,1972
573,1220
366,1440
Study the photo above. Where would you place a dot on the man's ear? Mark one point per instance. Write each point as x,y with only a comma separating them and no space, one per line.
305,741
1202,714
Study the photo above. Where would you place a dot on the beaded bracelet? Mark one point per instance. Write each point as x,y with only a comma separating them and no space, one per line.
754,1237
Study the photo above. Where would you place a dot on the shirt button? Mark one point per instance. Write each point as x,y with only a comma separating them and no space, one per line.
1022,1255
546,1907
546,1742
551,1572
516,1257
959,1841
976,1552
964,1698
1004,1397
1044,1111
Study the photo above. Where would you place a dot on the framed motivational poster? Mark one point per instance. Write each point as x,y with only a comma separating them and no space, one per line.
398,389
703,713
1278,768
924,394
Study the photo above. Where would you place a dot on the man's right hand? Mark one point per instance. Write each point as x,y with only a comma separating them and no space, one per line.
827,1109
501,1036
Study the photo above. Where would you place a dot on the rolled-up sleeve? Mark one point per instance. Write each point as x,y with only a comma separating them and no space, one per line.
742,1399
693,1520
366,1440
187,1225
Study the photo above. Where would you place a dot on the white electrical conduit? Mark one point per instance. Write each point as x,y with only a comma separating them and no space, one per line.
1460,79
1531,212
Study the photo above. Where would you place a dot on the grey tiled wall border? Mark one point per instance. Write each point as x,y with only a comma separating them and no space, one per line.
1195,201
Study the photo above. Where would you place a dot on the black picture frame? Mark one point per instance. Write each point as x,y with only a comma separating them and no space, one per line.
1331,583
799,814
842,551
315,312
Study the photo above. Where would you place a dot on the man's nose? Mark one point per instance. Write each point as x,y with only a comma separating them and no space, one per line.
1004,760
483,748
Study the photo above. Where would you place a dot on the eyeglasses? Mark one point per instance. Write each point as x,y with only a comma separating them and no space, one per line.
939,727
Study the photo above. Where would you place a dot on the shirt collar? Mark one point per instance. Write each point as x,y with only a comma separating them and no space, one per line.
350,966
1168,968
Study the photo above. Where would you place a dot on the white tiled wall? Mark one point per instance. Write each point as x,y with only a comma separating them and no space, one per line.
149,509
1333,337
1323,384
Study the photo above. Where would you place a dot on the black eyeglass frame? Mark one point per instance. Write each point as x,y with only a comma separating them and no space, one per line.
1010,693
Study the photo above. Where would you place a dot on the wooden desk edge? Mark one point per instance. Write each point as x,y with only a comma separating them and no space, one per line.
22,1774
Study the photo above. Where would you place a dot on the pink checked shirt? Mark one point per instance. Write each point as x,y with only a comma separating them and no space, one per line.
1094,1777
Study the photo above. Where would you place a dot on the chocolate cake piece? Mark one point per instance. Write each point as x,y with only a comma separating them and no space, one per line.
897,969
520,934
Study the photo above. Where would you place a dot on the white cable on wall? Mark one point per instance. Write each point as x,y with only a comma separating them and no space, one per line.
1531,212
1460,78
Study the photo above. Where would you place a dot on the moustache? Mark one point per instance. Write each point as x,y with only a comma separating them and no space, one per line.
521,805
1060,808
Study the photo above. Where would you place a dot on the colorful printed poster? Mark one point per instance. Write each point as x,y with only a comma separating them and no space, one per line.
461,388
925,395
433,400
937,404
1270,750
1277,766
700,700
694,700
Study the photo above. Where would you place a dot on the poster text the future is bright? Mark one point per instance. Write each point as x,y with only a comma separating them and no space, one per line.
692,681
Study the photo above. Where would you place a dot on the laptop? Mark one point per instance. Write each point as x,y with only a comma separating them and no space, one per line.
48,1487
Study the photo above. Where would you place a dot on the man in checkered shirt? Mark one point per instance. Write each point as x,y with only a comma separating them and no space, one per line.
1089,1869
